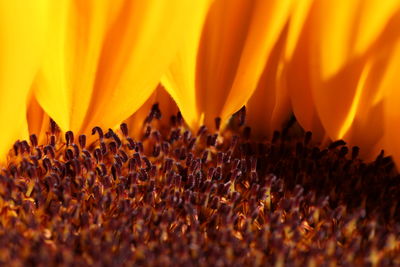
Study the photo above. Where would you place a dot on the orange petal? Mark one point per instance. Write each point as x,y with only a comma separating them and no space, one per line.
268,108
338,49
224,69
299,82
38,120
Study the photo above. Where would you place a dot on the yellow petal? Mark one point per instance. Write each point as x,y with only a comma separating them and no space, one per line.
22,26
299,82
180,79
105,59
227,64
65,85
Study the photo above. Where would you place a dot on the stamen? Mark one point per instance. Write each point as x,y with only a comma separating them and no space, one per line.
211,198
82,141
69,137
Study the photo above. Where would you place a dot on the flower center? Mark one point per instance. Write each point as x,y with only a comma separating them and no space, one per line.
175,196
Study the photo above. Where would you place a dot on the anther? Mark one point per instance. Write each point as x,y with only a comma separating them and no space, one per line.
25,146
155,113
53,141
131,143
48,150
86,153
98,155
191,144
217,123
117,140
307,137
118,160
82,141
144,176
69,138
124,156
156,135
147,132
69,155
179,118
165,147
34,140
168,165
109,134
53,127
355,152
336,144
147,162
156,151
112,146
343,151
99,131
204,157
124,129
202,130
46,164
138,159
131,165
16,147
103,148
139,147
242,116
38,153
76,150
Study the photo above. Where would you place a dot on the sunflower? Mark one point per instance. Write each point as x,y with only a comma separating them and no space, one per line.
226,132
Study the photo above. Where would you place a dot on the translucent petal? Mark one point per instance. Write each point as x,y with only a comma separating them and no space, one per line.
298,16
345,29
262,35
299,82
337,50
268,108
364,123
340,98
22,27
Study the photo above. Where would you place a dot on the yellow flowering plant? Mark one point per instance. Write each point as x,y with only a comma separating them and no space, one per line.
201,132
